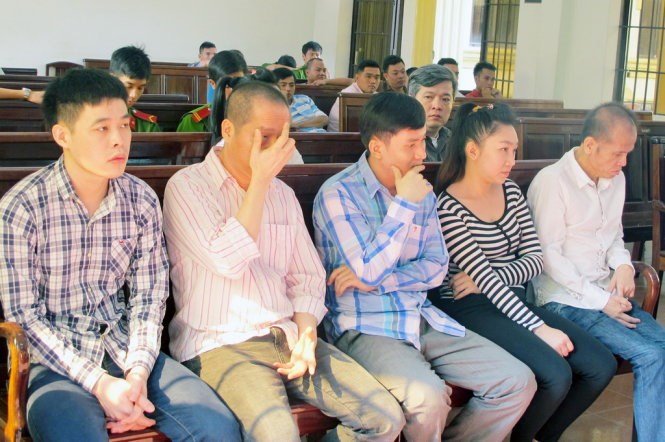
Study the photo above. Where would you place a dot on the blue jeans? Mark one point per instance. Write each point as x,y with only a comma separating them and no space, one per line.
644,348
186,409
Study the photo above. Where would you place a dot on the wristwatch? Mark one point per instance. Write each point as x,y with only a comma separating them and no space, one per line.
26,93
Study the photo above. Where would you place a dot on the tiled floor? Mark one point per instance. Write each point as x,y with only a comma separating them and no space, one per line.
610,418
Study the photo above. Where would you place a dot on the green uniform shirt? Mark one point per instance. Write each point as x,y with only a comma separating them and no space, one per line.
299,74
141,122
196,120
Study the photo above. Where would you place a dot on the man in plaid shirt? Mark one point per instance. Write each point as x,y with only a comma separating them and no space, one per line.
85,274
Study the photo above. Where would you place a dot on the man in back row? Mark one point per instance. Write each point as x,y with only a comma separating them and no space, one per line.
394,74
207,50
484,74
434,87
305,116
367,80
85,274
248,285
131,66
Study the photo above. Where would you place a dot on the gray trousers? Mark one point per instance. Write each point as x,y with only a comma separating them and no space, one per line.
502,386
243,374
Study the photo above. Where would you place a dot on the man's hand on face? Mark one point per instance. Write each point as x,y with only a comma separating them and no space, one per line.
411,186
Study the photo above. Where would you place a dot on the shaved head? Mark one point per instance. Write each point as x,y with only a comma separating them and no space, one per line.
246,96
604,119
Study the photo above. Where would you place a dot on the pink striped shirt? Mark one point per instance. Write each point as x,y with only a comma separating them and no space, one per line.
227,287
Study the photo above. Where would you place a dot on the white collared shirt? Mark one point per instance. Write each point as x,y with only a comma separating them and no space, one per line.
227,287
579,226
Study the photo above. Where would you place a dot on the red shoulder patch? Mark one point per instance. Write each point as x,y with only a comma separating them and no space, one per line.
145,117
201,114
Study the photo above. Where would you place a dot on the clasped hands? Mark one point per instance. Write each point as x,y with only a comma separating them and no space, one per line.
125,401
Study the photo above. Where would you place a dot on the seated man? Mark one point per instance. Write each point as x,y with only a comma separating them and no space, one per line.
249,287
131,66
589,279
305,116
207,50
484,74
451,64
310,50
85,274
434,87
223,64
315,70
394,74
367,79
377,231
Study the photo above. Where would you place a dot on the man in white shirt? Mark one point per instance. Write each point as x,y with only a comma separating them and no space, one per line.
249,286
368,78
577,205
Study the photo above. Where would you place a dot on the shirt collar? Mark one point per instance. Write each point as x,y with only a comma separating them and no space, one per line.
580,176
62,181
219,174
65,187
372,183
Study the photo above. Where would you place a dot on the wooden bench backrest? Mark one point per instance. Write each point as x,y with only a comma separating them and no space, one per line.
22,116
170,79
324,96
38,148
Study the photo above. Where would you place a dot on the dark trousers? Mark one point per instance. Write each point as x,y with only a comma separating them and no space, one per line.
566,386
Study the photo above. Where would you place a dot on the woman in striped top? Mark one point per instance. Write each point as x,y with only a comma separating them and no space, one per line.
494,251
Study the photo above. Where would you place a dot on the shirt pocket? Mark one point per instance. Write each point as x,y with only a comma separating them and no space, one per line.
120,256
276,245
412,244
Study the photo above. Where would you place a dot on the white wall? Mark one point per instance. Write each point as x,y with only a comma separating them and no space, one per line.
70,30
566,50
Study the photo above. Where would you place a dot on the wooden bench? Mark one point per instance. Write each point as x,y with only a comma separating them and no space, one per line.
350,107
331,147
324,96
22,116
170,78
38,148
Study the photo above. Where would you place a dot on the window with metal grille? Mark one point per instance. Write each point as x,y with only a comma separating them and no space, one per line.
640,79
498,40
376,30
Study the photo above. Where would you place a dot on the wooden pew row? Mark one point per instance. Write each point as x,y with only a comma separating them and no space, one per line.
22,116
323,96
30,149
170,79
350,107
27,149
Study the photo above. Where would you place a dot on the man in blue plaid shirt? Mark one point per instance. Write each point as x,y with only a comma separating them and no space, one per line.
85,274
379,237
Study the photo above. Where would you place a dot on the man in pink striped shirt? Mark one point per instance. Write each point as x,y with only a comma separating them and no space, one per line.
249,285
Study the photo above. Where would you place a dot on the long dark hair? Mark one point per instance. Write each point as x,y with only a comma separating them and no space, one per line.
471,123
219,101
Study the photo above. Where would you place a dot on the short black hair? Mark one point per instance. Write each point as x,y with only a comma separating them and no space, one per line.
131,61
287,60
242,100
225,63
411,70
387,113
391,60
282,73
314,46
67,95
446,60
477,69
367,64
600,120
206,45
